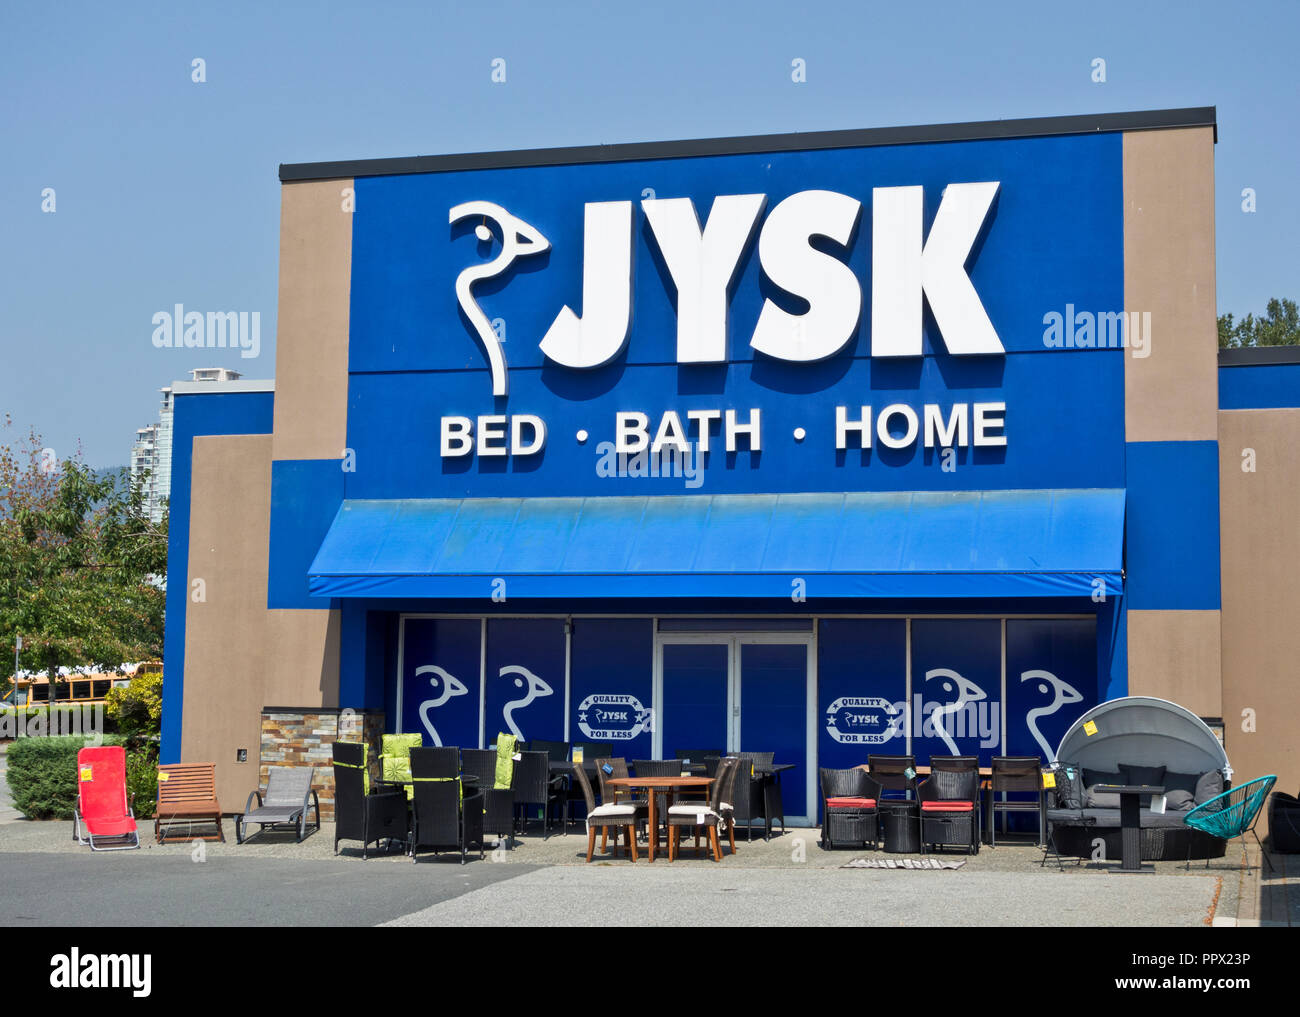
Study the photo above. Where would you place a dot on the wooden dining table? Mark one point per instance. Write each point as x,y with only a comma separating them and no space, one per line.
653,785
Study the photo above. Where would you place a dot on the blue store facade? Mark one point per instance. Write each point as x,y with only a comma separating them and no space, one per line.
818,444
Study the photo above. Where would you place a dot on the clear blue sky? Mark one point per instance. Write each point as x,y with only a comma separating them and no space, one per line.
167,190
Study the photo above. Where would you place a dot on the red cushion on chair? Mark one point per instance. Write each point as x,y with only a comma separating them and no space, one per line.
947,806
850,803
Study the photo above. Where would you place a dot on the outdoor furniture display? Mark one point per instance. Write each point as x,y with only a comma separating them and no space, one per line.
188,792
900,821
102,817
672,785
358,813
703,816
1233,813
285,802
893,773
443,815
604,816
850,816
1284,823
498,802
534,785
948,801
1016,774
1137,740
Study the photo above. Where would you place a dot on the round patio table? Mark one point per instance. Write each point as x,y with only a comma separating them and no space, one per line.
668,785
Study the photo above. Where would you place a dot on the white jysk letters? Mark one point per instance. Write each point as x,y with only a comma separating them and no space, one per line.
906,266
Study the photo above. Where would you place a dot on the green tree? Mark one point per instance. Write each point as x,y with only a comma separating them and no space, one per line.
1278,326
78,560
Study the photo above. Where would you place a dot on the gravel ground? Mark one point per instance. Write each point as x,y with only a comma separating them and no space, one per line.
673,896
787,881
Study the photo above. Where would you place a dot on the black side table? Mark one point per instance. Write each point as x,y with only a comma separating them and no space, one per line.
1130,821
902,823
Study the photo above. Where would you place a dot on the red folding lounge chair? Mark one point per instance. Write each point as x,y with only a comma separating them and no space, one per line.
102,813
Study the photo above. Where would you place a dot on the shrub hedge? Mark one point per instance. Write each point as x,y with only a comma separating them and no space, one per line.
42,775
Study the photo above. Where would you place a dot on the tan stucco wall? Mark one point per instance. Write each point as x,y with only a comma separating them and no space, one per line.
1261,592
1174,655
239,656
311,342
1171,394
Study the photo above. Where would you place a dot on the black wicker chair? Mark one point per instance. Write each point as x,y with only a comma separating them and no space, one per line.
437,762
750,798
358,815
1016,775
950,808
498,803
556,752
891,773
534,785
658,768
617,769
619,816
704,816
440,820
849,808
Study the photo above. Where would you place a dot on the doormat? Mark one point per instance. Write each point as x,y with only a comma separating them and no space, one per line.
903,863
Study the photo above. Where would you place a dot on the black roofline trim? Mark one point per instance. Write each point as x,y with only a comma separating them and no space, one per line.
1258,356
1031,127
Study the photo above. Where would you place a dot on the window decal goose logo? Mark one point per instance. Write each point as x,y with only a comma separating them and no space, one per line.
518,239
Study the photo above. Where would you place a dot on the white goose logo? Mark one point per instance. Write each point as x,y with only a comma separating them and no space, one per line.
450,686
534,688
1063,693
967,692
518,239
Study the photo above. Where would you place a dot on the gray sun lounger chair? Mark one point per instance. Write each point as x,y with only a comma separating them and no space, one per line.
285,802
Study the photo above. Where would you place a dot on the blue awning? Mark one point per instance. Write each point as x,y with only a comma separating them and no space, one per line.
1047,543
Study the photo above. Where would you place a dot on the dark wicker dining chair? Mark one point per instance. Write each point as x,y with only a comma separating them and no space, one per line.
605,815
437,762
534,785
850,808
658,768
358,813
750,798
950,808
439,818
498,803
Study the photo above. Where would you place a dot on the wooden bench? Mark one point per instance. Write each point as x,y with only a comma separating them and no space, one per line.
188,792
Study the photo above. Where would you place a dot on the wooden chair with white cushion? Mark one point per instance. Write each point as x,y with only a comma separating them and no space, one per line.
704,815
606,816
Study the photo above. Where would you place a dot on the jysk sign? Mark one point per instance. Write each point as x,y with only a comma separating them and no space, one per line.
820,320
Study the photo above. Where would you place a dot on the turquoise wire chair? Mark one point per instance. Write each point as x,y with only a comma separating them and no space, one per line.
1232,814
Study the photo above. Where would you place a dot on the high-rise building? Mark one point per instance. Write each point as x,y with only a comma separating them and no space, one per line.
151,454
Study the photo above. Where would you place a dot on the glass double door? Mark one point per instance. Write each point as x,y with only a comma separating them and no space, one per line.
740,693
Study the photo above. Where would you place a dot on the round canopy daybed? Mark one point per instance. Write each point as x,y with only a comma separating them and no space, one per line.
1136,731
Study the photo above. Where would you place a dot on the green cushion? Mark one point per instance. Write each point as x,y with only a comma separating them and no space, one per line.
505,761
396,757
